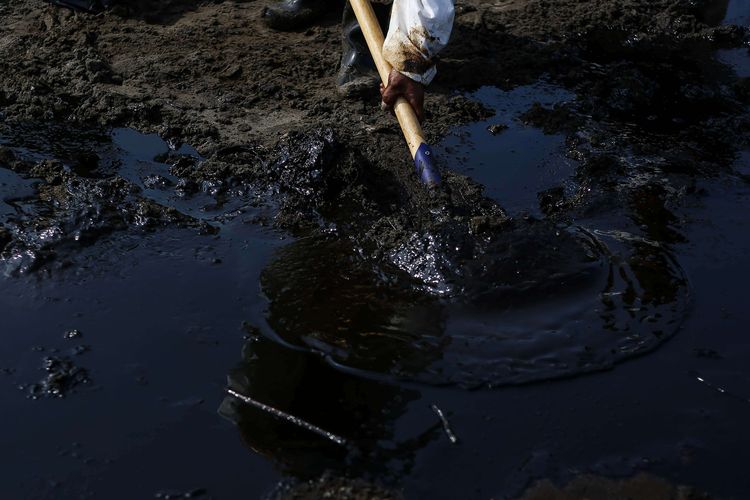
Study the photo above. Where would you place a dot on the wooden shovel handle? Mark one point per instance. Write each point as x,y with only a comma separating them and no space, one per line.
407,118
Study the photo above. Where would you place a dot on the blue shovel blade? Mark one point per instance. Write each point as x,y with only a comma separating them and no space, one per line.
425,166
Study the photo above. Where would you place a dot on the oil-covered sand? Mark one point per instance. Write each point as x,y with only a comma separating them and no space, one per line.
261,231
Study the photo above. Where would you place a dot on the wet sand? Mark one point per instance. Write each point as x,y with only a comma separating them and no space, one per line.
272,215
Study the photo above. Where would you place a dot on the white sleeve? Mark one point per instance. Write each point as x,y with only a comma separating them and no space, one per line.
418,30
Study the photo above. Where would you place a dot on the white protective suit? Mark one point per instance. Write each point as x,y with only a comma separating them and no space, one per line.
418,30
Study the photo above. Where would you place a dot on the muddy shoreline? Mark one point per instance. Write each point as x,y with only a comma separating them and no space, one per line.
652,110
257,132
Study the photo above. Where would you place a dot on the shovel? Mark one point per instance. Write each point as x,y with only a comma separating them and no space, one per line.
407,118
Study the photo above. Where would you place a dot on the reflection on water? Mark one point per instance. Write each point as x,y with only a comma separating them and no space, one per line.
301,384
735,11
519,161
322,295
560,302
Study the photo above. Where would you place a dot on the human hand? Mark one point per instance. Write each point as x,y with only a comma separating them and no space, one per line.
403,86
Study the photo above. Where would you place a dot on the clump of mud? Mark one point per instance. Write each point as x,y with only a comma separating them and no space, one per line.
62,378
73,207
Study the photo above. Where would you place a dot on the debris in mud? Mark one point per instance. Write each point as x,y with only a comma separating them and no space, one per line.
5,237
156,182
288,418
302,384
497,129
62,378
250,331
72,334
7,157
718,388
177,495
552,200
446,425
553,120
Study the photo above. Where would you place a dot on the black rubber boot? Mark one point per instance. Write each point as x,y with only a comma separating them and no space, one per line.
84,5
357,73
291,15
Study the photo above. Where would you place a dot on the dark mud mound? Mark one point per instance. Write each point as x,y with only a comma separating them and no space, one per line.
501,264
62,377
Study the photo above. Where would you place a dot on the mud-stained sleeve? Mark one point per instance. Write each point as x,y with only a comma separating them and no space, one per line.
418,30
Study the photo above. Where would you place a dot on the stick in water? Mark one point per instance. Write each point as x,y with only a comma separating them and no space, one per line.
446,425
288,418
